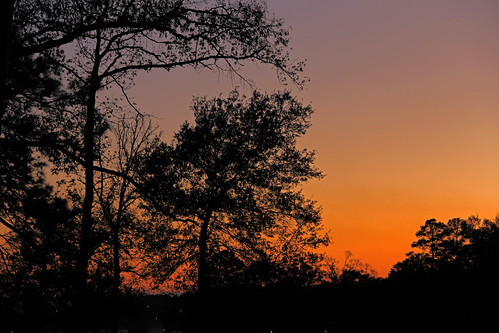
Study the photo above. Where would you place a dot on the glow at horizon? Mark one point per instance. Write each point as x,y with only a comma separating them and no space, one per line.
406,123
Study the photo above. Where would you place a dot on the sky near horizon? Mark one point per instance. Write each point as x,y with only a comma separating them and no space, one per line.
406,122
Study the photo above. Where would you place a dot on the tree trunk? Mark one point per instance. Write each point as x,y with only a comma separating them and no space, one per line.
85,241
87,218
116,240
116,259
116,275
203,278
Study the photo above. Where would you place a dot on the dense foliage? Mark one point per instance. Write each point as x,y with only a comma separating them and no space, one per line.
230,185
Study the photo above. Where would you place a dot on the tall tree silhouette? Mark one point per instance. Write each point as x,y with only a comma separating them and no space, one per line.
231,182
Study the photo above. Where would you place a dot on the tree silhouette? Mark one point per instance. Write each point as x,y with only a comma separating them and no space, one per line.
37,266
31,83
118,200
452,273
457,245
351,271
485,251
231,184
112,40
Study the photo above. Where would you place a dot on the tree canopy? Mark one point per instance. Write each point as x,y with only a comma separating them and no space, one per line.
231,183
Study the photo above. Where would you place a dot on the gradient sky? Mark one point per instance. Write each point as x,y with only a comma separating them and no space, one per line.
406,123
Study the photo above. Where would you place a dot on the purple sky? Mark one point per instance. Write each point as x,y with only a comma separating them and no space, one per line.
406,126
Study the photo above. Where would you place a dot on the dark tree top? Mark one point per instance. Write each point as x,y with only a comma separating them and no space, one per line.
141,35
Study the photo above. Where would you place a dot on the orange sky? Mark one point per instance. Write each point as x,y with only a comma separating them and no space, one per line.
406,123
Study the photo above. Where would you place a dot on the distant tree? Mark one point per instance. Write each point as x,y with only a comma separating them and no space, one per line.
351,271
117,197
483,249
452,272
230,183
455,246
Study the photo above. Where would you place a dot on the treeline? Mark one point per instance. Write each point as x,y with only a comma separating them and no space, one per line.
449,282
458,247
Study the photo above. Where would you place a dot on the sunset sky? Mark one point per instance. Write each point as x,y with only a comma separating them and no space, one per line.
406,123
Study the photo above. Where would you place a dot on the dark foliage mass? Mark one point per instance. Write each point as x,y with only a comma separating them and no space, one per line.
448,284
230,185
456,248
